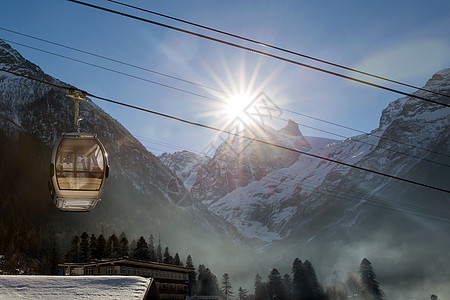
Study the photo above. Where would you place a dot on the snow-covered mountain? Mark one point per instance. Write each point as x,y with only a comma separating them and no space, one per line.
251,195
335,215
238,162
271,194
142,195
319,142
185,164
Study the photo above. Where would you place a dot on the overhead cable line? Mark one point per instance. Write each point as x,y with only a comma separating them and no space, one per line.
345,195
237,134
110,59
112,70
165,144
259,52
353,196
370,144
274,47
363,132
332,193
205,97
418,209
196,84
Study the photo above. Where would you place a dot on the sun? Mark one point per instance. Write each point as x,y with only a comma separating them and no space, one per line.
236,105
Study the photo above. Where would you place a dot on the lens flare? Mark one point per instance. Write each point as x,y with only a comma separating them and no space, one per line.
236,106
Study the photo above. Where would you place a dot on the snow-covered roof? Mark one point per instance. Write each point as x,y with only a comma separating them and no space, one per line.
74,287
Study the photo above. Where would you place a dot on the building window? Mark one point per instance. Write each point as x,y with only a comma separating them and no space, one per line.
89,271
109,270
77,271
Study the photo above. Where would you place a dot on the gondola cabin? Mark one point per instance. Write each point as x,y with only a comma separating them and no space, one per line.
78,172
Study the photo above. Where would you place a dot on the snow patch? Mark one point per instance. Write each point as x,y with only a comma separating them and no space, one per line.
71,287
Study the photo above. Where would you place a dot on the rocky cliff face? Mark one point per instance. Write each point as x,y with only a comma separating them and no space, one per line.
185,164
238,162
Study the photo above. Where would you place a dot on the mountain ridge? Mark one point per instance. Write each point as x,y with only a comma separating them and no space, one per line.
373,151
141,191
249,202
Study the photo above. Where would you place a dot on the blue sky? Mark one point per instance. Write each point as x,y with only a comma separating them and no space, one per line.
404,40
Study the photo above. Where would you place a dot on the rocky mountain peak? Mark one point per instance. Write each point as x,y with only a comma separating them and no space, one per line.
291,129
439,77
7,53
408,108
185,164
11,60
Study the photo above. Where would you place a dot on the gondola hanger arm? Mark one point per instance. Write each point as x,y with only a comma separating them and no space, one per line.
77,96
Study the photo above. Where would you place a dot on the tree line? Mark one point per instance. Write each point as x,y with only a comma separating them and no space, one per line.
85,248
26,248
302,284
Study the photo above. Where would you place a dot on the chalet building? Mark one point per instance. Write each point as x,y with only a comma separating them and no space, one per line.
172,281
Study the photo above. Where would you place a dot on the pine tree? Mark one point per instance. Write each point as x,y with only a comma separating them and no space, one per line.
177,261
84,247
298,278
260,289
214,283
201,280
312,288
368,279
207,282
122,235
75,249
112,247
151,248
227,289
131,247
93,251
123,247
287,286
159,256
242,294
101,245
141,250
275,285
168,259
192,276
